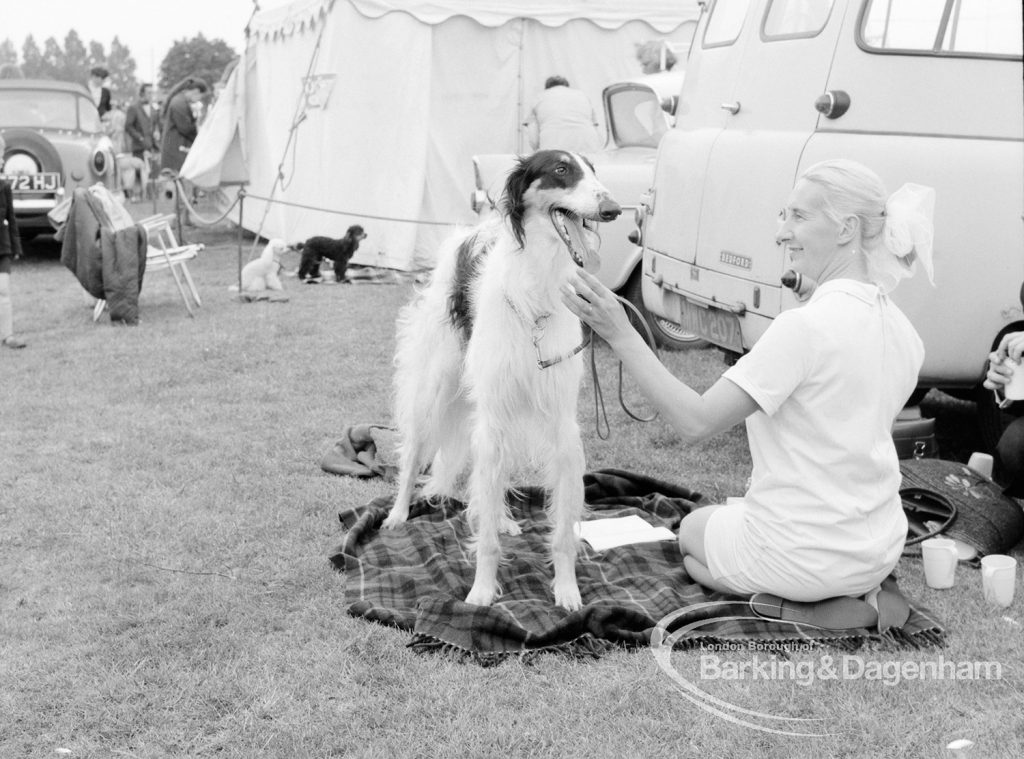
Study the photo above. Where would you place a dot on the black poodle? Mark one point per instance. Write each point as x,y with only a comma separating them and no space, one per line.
340,251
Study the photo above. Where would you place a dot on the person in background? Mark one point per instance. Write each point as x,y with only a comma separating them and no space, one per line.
563,119
98,89
821,526
140,128
655,56
10,249
179,128
114,122
1010,448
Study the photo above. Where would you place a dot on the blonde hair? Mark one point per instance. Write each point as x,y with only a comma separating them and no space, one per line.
896,231
851,189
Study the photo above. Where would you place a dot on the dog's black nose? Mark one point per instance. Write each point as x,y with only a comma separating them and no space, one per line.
609,210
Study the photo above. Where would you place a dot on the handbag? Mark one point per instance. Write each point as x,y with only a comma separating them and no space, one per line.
951,499
915,438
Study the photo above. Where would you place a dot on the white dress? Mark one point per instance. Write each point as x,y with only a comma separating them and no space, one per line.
822,516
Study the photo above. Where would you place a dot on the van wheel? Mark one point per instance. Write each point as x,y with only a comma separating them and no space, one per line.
667,334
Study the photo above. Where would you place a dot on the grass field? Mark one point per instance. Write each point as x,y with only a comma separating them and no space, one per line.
165,590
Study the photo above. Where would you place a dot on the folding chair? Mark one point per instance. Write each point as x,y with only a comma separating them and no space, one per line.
164,252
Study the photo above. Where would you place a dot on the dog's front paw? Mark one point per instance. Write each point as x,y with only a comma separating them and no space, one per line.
481,595
568,597
509,526
394,519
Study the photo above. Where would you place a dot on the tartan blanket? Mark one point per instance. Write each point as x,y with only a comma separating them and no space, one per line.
416,577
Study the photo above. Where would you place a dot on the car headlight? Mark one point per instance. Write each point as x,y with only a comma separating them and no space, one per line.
640,217
102,159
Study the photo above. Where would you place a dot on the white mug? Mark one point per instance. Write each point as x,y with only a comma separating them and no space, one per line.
1014,389
998,576
939,557
981,463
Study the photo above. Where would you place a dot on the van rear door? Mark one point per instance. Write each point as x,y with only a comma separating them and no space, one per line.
753,164
683,151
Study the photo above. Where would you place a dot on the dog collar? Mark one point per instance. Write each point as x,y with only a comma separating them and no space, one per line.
537,328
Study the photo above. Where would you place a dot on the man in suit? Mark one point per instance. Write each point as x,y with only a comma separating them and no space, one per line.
140,127
10,248
100,94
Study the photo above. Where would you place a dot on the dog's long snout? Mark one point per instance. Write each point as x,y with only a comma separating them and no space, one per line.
608,209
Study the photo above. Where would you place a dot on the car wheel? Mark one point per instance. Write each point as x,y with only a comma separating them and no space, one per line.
34,145
667,334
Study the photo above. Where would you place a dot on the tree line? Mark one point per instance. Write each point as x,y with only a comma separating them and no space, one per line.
72,61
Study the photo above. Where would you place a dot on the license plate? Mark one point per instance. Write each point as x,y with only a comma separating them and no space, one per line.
713,324
48,181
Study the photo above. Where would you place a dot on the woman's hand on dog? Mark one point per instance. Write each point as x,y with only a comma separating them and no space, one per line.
596,306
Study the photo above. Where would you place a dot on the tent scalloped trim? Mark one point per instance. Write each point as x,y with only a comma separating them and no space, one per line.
665,16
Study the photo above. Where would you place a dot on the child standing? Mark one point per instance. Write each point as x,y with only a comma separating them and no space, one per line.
10,248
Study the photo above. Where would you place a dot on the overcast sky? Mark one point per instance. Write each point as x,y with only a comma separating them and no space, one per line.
147,27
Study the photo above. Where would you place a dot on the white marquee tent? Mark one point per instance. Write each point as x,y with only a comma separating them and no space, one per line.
369,111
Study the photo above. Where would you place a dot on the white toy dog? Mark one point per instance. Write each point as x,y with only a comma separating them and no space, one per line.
262,273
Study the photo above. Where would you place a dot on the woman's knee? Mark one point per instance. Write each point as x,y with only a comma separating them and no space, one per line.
691,533
700,574
5,285
1011,448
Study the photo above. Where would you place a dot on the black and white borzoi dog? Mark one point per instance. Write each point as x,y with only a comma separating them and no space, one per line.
488,364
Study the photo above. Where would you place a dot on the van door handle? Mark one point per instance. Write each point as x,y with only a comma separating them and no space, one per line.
732,108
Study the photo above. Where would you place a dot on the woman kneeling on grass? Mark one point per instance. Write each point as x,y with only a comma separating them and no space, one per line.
819,391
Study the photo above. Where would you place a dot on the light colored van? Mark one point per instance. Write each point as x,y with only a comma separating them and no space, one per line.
925,91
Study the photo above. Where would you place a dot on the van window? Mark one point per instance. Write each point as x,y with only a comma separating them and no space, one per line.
725,22
795,18
977,28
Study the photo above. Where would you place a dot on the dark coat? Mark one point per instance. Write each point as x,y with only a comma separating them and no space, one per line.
10,242
140,128
108,264
104,105
179,130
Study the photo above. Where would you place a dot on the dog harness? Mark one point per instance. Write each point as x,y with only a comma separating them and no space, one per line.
537,332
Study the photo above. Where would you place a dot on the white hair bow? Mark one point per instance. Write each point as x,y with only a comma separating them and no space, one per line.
907,237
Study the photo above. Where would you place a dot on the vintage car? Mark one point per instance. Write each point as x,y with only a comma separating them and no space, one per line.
55,143
638,112
921,92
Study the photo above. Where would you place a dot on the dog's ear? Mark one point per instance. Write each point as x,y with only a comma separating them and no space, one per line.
515,187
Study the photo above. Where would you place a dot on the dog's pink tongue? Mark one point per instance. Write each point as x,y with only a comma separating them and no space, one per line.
586,243
592,263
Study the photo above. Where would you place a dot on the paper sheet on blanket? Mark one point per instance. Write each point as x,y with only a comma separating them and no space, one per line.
603,534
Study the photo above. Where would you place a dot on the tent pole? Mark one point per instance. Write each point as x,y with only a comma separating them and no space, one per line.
241,208
177,209
520,105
